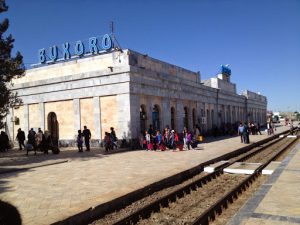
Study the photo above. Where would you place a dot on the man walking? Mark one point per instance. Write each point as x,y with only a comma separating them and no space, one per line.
21,138
87,136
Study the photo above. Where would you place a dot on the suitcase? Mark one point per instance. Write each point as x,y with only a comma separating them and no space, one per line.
162,147
194,144
180,147
150,146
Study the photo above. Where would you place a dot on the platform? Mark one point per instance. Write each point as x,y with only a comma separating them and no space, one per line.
278,200
270,168
242,168
45,194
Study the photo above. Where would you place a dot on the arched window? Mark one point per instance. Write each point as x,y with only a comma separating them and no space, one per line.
155,117
173,118
143,118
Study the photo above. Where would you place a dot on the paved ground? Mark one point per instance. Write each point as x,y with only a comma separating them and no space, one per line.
277,202
78,181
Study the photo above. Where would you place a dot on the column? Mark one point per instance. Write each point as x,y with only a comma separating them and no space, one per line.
150,106
26,118
42,115
135,116
179,115
77,119
9,128
124,115
97,118
166,113
198,116
190,115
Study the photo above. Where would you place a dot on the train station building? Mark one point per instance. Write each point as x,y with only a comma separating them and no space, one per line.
128,91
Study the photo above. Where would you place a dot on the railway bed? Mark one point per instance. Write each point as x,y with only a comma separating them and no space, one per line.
166,199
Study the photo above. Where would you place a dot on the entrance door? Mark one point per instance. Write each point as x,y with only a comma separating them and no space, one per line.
155,118
53,126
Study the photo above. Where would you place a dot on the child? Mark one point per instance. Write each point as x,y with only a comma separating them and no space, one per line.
148,140
79,141
107,142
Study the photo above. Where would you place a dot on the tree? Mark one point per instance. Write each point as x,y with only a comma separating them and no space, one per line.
10,67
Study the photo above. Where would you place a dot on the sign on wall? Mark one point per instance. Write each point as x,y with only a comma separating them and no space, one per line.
66,51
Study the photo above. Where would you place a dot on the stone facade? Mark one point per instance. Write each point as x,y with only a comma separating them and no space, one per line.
128,91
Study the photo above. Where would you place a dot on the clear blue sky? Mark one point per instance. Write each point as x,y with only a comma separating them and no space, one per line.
260,40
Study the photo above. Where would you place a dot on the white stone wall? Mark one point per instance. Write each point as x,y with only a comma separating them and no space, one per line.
134,79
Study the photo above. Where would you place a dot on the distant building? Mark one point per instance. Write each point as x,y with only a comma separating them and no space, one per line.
128,91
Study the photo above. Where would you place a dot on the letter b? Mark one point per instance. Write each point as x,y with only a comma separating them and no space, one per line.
42,57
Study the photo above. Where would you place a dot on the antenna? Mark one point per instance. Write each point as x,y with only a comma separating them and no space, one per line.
111,27
112,30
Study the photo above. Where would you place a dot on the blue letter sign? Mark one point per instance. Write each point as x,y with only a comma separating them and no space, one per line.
106,42
96,46
93,45
53,53
79,48
42,57
66,53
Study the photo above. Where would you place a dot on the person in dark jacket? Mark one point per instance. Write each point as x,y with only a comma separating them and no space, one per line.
4,141
246,133
21,138
2,149
31,138
87,136
113,138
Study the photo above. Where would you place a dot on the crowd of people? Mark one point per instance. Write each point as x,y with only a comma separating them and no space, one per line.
150,139
37,141
245,129
110,139
153,139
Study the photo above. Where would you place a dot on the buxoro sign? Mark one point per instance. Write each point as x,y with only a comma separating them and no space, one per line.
67,51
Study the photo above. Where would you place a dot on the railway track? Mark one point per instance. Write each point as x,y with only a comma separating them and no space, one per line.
200,199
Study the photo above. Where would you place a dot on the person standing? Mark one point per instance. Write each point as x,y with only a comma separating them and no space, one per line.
246,133
188,139
4,141
241,131
79,141
21,138
87,136
258,128
184,133
113,138
31,138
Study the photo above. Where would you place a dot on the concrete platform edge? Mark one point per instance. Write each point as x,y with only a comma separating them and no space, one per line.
248,210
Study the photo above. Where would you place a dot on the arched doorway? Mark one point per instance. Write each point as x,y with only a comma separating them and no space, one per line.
155,118
53,126
173,118
143,118
194,117
186,118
